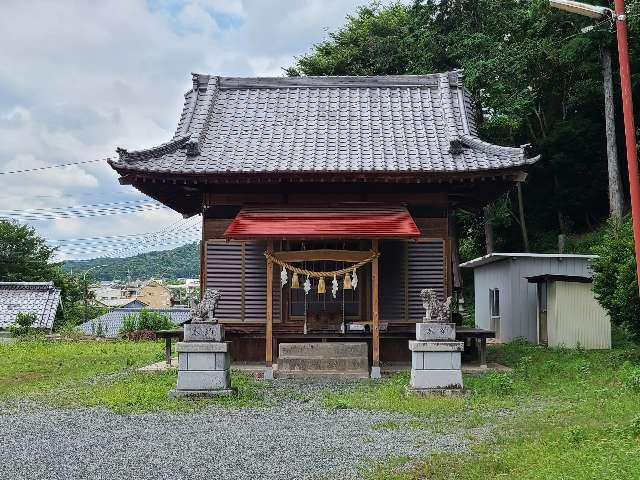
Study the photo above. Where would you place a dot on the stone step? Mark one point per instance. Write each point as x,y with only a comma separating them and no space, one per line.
301,363
322,374
323,349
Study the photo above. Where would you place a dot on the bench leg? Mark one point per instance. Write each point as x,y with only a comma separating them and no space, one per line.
167,350
483,352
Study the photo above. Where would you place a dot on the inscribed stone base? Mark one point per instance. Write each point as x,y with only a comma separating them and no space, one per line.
268,373
203,332
375,373
427,331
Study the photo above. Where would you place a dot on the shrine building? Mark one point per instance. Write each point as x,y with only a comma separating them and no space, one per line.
326,201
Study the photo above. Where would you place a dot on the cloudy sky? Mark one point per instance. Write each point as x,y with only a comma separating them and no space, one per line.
78,78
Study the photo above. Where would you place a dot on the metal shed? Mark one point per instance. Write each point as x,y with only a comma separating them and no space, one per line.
507,302
568,314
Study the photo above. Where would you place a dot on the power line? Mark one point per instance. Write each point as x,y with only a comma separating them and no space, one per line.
49,167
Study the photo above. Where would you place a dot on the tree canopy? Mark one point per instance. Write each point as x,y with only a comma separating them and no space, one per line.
535,77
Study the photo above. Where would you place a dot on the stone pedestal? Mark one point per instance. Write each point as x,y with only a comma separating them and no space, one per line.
203,361
327,359
435,359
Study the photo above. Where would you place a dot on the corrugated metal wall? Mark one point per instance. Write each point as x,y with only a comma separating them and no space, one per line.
518,297
575,317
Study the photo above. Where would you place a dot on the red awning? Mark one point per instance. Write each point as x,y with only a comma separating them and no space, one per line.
358,220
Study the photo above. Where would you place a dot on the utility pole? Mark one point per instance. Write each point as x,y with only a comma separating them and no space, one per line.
615,193
620,18
629,127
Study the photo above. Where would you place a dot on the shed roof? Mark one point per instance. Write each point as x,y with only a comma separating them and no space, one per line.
496,257
41,298
112,322
559,278
377,124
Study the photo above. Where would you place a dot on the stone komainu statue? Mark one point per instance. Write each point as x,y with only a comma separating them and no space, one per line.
435,310
205,311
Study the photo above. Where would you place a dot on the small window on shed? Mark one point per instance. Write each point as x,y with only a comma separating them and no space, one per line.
494,310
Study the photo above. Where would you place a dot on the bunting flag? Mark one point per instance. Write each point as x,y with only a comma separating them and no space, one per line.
349,275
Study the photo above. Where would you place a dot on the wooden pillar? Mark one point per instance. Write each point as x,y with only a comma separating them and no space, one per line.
375,313
268,373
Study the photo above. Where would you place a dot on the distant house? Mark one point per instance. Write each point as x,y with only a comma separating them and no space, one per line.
41,298
545,298
130,303
155,295
110,323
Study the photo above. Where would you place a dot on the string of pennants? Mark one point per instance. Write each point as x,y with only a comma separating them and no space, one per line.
348,275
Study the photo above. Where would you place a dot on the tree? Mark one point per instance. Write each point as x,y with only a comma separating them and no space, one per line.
614,276
24,256
536,78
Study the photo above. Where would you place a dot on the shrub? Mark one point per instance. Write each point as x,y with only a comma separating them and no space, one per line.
614,276
145,320
129,323
23,324
154,321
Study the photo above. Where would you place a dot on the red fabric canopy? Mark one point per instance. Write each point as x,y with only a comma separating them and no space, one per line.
339,221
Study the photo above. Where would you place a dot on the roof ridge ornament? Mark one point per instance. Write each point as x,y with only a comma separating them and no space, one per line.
456,145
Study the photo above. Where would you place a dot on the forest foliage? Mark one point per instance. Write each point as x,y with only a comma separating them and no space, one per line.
536,78
180,262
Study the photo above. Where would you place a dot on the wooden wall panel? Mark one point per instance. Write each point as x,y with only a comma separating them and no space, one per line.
432,227
223,272
426,260
238,270
213,228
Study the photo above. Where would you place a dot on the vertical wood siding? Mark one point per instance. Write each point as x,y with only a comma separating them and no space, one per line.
425,269
238,270
406,267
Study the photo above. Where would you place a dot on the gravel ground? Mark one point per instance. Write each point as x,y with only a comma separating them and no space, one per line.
293,440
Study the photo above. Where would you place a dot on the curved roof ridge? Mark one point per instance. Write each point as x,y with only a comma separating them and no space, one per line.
484,146
167,147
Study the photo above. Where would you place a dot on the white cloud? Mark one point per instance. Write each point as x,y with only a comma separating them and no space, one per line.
78,79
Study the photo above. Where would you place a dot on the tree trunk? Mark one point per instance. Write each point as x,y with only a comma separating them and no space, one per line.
523,225
615,194
561,221
455,254
488,230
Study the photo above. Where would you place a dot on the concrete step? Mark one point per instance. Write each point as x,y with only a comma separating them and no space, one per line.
322,374
323,349
300,363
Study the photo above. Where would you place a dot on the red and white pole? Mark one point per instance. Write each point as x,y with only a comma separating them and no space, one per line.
629,127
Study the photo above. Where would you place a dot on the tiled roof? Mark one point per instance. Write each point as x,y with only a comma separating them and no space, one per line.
112,322
401,124
41,298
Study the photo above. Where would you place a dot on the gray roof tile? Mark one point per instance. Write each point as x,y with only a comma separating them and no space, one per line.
41,298
308,124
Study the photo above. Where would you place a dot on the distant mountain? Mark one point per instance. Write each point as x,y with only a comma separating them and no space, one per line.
181,262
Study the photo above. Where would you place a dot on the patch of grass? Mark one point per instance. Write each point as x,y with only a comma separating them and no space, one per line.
102,374
31,366
575,415
390,395
148,391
